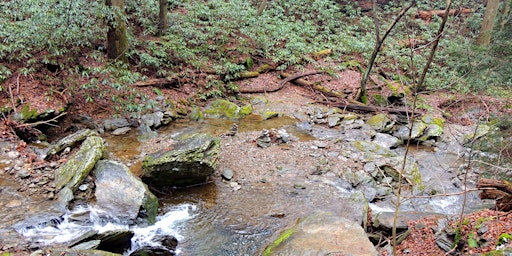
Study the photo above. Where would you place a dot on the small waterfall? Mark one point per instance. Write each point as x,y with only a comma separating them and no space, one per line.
164,226
74,226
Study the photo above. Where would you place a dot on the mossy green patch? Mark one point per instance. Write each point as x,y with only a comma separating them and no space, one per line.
225,109
195,114
379,122
371,147
269,114
26,113
285,235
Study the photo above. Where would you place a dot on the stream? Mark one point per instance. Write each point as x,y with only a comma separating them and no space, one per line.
218,218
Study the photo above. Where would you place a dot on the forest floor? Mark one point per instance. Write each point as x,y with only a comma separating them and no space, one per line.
456,108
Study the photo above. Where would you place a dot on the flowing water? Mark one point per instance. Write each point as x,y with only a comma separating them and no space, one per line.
213,219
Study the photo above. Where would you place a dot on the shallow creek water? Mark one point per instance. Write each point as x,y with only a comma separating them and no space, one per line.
215,219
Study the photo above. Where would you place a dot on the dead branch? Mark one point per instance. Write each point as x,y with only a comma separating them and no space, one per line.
161,82
427,15
43,122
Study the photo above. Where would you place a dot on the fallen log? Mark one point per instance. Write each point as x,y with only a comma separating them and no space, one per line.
161,82
350,104
427,15
499,190
502,185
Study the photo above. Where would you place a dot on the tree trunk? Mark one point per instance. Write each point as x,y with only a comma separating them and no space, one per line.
484,38
162,25
117,42
262,6
362,97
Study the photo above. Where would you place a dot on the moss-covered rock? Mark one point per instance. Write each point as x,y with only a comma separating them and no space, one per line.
188,162
73,172
435,127
380,122
373,148
480,131
70,141
269,114
225,109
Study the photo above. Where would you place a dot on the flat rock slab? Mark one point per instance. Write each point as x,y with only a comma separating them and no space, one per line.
322,234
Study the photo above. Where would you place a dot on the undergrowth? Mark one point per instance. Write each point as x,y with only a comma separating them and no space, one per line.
222,36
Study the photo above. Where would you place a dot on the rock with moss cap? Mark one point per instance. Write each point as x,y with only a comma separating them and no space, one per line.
188,162
72,173
225,109
380,123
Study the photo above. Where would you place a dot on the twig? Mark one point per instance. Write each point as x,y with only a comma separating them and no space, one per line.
43,122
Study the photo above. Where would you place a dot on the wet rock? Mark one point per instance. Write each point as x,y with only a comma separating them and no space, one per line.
224,109
116,241
121,194
115,123
304,126
69,141
269,114
121,131
73,252
72,173
391,166
93,244
189,161
227,174
322,234
386,140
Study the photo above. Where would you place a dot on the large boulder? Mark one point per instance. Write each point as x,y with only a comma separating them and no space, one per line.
322,234
190,161
121,194
71,174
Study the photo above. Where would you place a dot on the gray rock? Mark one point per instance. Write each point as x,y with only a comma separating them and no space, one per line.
264,139
72,173
121,194
190,161
69,141
153,120
384,220
116,241
227,174
322,234
112,124
122,130
333,120
380,122
386,140
93,244
418,129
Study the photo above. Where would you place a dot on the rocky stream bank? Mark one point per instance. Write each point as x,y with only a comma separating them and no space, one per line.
270,177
